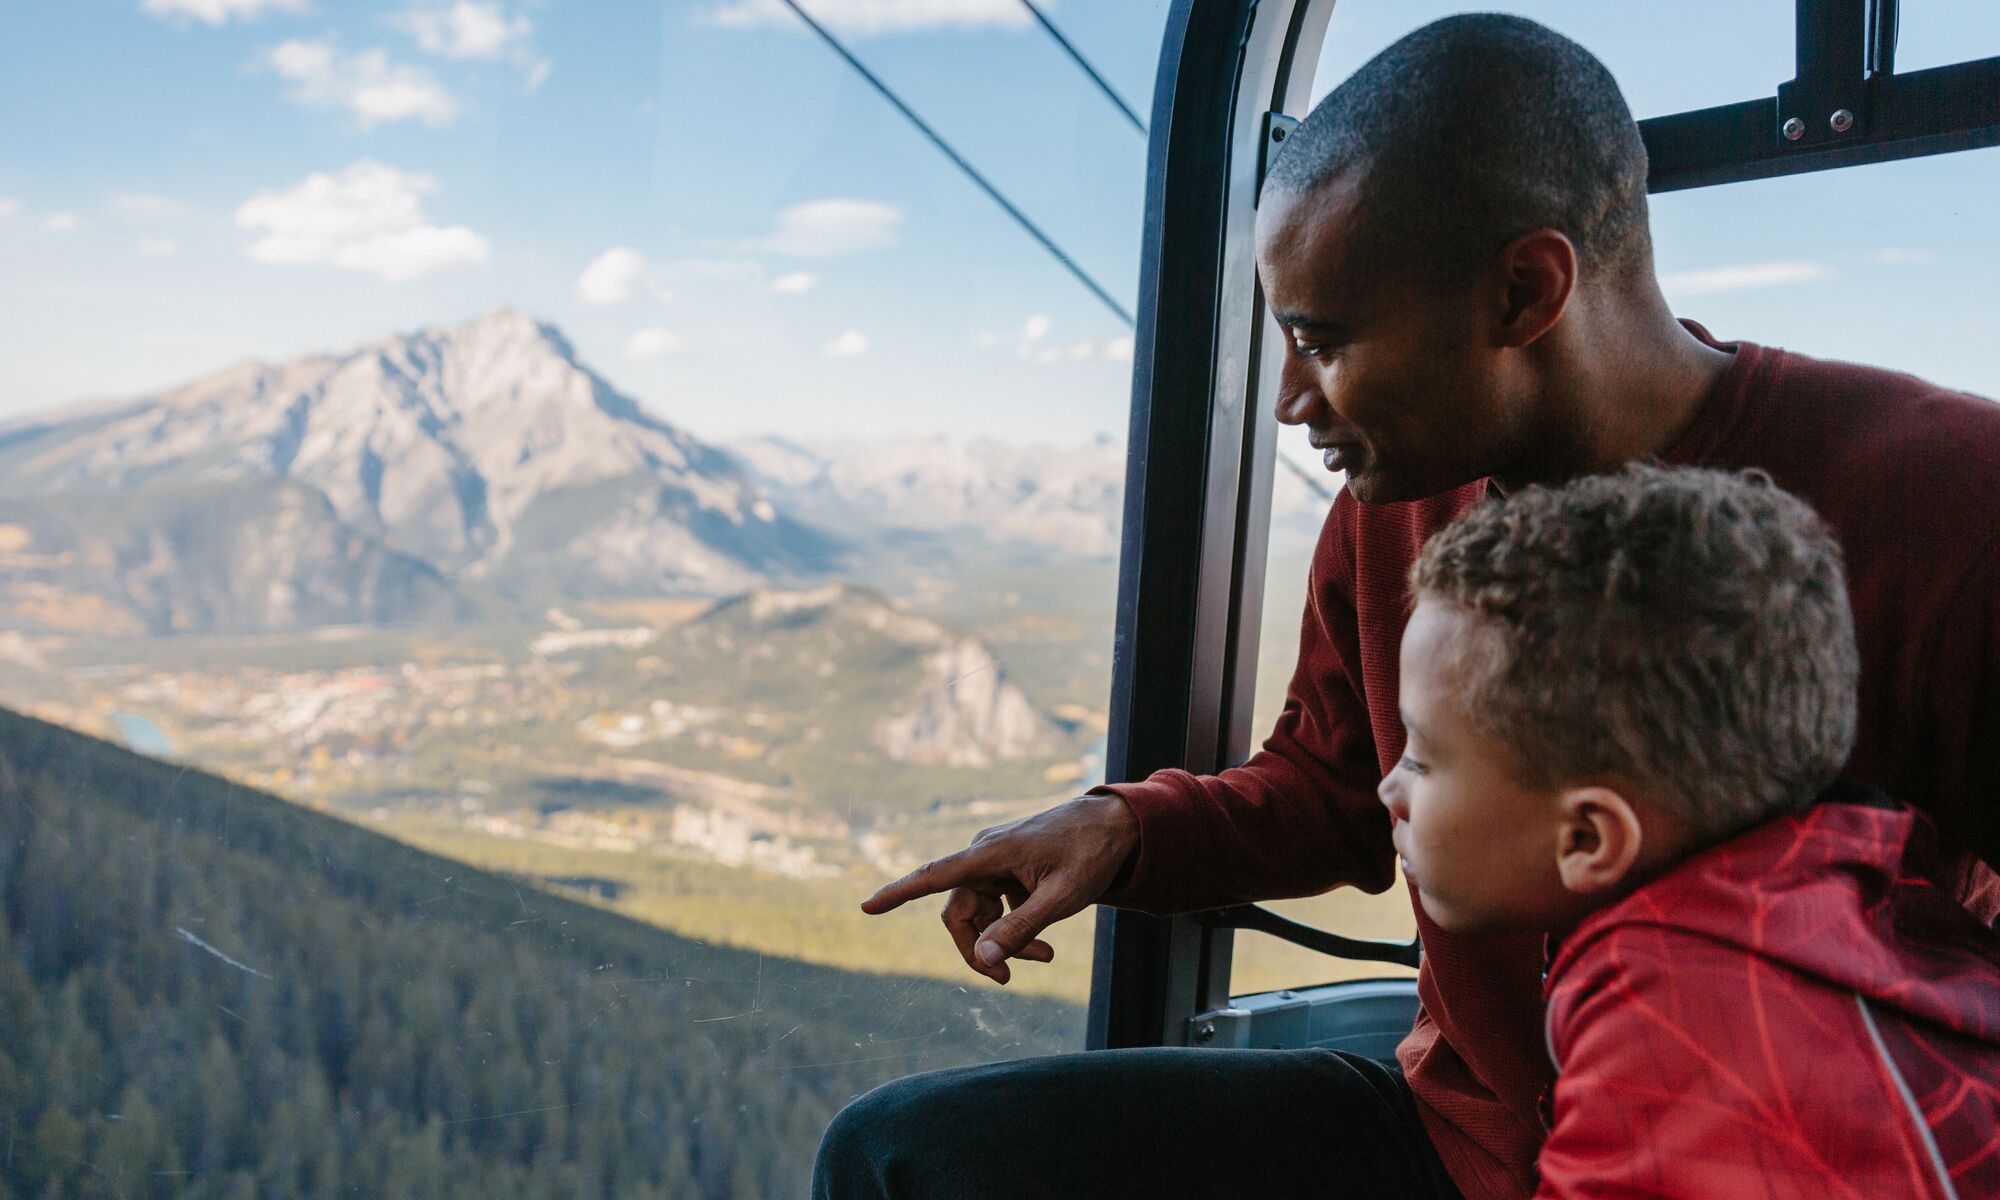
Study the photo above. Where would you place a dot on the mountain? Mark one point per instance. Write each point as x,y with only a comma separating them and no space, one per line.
483,454
1064,499
211,992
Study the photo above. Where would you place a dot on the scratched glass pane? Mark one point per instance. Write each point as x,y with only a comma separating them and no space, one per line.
514,519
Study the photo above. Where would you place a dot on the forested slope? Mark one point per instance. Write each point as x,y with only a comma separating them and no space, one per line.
207,992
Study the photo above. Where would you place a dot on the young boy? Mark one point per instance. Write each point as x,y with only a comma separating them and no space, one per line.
1627,701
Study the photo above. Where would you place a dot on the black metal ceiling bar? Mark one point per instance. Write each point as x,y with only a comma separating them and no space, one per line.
1934,111
1263,920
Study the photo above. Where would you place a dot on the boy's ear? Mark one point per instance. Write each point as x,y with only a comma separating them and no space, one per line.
1598,840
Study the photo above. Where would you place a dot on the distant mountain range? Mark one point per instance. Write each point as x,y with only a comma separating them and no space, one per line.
1065,499
444,473
402,480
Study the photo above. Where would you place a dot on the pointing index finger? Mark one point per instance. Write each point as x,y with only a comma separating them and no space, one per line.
940,875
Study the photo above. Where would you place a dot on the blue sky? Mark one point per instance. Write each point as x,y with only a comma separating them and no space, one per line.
734,229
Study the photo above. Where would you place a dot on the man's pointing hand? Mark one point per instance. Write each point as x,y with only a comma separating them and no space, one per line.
1016,880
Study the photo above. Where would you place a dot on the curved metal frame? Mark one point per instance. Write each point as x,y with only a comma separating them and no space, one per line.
1199,471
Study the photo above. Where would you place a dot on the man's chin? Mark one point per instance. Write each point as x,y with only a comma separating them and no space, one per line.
1373,485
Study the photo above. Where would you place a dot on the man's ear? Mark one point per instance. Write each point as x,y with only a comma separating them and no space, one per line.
1537,279
1598,840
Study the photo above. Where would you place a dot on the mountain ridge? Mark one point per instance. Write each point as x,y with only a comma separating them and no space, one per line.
485,450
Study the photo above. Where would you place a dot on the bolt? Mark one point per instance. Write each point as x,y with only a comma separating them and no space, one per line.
1278,134
1841,120
1205,1034
1794,129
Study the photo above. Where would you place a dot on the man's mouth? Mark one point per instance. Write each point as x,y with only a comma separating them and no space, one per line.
1338,456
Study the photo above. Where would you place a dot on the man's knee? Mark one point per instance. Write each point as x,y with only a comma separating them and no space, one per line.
870,1140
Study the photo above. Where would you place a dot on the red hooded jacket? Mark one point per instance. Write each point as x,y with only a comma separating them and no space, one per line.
1798,1012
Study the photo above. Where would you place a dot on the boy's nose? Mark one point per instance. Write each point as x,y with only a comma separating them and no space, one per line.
1392,798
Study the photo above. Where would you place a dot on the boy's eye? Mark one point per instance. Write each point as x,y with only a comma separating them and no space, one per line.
1411,765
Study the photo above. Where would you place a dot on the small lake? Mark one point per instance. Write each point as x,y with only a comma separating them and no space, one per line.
143,736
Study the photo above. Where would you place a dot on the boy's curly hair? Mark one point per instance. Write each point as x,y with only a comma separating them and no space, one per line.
1684,630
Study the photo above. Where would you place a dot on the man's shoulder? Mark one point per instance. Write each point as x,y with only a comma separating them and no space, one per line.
1907,471
1867,427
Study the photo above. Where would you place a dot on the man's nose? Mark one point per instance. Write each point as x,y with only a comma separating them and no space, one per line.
1299,403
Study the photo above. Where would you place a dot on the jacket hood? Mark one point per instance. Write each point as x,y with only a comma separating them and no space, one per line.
1842,892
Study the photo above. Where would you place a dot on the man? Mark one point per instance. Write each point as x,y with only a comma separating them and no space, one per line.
1456,244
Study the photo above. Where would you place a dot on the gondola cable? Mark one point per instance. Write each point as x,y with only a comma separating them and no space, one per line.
1304,476
958,160
1077,57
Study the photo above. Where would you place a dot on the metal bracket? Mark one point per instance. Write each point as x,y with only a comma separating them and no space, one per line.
1827,102
1277,128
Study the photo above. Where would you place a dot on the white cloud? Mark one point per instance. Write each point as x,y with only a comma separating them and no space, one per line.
158,247
368,217
834,226
8,207
848,345
61,222
1742,278
613,277
476,29
798,283
655,341
1031,344
366,84
1902,256
215,12
869,17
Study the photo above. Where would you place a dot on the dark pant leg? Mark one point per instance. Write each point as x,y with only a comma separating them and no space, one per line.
1161,1122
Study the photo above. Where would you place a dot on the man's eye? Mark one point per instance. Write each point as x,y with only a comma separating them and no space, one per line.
1309,349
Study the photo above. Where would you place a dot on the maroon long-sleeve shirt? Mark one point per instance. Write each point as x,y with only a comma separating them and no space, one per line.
1908,477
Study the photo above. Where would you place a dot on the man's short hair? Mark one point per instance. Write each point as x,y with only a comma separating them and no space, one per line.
1685,630
1474,130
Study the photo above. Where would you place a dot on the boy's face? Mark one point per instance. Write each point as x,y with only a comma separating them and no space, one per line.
1481,845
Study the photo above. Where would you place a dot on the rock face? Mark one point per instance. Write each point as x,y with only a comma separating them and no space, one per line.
485,453
967,714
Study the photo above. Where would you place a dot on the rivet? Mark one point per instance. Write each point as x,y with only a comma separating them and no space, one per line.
1794,129
1206,1033
1841,120
1278,135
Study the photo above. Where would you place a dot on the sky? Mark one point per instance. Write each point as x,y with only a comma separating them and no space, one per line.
733,228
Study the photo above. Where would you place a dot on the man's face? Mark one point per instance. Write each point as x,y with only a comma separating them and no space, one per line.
1480,844
1392,380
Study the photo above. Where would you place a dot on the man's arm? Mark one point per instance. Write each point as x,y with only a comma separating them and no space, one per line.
1298,818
